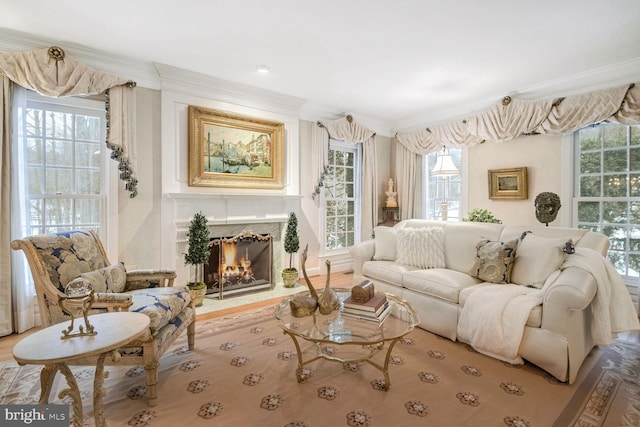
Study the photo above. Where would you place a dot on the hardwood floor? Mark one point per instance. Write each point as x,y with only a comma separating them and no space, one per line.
338,280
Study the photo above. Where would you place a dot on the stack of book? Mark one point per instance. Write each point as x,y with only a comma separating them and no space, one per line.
375,310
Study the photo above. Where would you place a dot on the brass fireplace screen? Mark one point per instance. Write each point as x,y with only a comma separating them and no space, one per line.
239,264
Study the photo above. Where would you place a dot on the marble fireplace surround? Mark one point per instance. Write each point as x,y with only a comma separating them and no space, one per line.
229,215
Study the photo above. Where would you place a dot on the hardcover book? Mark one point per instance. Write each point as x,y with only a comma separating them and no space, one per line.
372,305
371,317
367,312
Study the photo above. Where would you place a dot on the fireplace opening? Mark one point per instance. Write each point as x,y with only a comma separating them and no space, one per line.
239,264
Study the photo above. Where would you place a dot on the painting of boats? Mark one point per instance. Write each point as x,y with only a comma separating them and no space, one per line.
227,150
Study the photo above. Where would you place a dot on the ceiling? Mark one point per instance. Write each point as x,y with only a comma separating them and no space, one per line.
407,63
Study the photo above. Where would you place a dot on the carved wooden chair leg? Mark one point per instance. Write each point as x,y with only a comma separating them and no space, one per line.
151,363
191,335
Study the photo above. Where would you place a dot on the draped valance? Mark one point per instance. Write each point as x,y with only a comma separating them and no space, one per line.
511,118
52,72
348,130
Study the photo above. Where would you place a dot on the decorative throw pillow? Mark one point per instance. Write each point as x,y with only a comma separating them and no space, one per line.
494,261
385,242
536,258
421,247
108,279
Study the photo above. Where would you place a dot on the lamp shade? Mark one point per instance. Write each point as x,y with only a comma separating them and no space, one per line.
444,165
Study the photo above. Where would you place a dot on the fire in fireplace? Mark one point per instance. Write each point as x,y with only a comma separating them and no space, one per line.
239,264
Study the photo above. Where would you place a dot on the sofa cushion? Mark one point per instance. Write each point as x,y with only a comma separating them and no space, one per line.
534,319
461,239
438,282
385,243
386,271
536,258
421,247
494,261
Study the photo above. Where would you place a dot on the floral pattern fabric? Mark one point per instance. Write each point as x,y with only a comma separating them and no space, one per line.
160,304
67,255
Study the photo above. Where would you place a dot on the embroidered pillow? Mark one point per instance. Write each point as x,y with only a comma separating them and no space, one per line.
108,279
494,261
385,243
536,258
421,247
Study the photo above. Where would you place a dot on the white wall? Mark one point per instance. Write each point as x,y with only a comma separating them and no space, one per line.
139,217
543,157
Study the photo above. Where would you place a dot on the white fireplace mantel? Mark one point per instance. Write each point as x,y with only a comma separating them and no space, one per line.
234,208
225,213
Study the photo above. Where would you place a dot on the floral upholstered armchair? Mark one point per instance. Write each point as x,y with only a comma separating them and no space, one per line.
57,259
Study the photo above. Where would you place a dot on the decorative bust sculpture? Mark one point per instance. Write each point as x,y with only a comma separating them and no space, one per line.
391,196
547,207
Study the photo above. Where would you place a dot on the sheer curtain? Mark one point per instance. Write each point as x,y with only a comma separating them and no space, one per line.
17,295
6,307
408,183
24,295
49,72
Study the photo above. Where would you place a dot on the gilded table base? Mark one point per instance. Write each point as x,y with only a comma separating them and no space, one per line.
47,375
368,358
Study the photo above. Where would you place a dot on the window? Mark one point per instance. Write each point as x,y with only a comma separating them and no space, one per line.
607,190
341,195
62,158
443,189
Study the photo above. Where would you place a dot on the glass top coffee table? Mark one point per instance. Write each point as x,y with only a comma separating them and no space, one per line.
359,340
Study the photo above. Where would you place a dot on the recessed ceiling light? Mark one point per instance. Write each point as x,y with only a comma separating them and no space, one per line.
262,68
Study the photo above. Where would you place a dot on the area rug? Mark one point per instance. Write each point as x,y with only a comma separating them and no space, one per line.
242,373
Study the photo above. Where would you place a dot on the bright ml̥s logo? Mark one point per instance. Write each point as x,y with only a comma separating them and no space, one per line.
22,415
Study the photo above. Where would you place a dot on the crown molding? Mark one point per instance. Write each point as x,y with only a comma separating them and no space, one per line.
608,76
202,85
143,73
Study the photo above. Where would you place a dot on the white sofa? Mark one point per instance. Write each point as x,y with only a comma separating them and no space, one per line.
557,336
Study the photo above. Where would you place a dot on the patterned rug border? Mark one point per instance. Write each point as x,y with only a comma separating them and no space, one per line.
612,385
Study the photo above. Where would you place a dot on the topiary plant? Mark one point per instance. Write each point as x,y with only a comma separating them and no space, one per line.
291,240
198,251
481,215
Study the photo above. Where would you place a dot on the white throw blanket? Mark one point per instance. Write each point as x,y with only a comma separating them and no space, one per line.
612,307
493,317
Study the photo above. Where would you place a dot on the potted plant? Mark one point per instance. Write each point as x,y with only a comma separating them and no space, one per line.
481,215
291,246
197,256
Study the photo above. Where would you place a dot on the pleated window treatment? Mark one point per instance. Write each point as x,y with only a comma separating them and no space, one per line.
509,119
51,72
348,130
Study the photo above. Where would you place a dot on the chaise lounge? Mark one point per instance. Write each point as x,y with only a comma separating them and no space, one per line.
57,259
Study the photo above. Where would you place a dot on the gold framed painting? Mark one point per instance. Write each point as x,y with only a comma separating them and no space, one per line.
230,150
508,184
